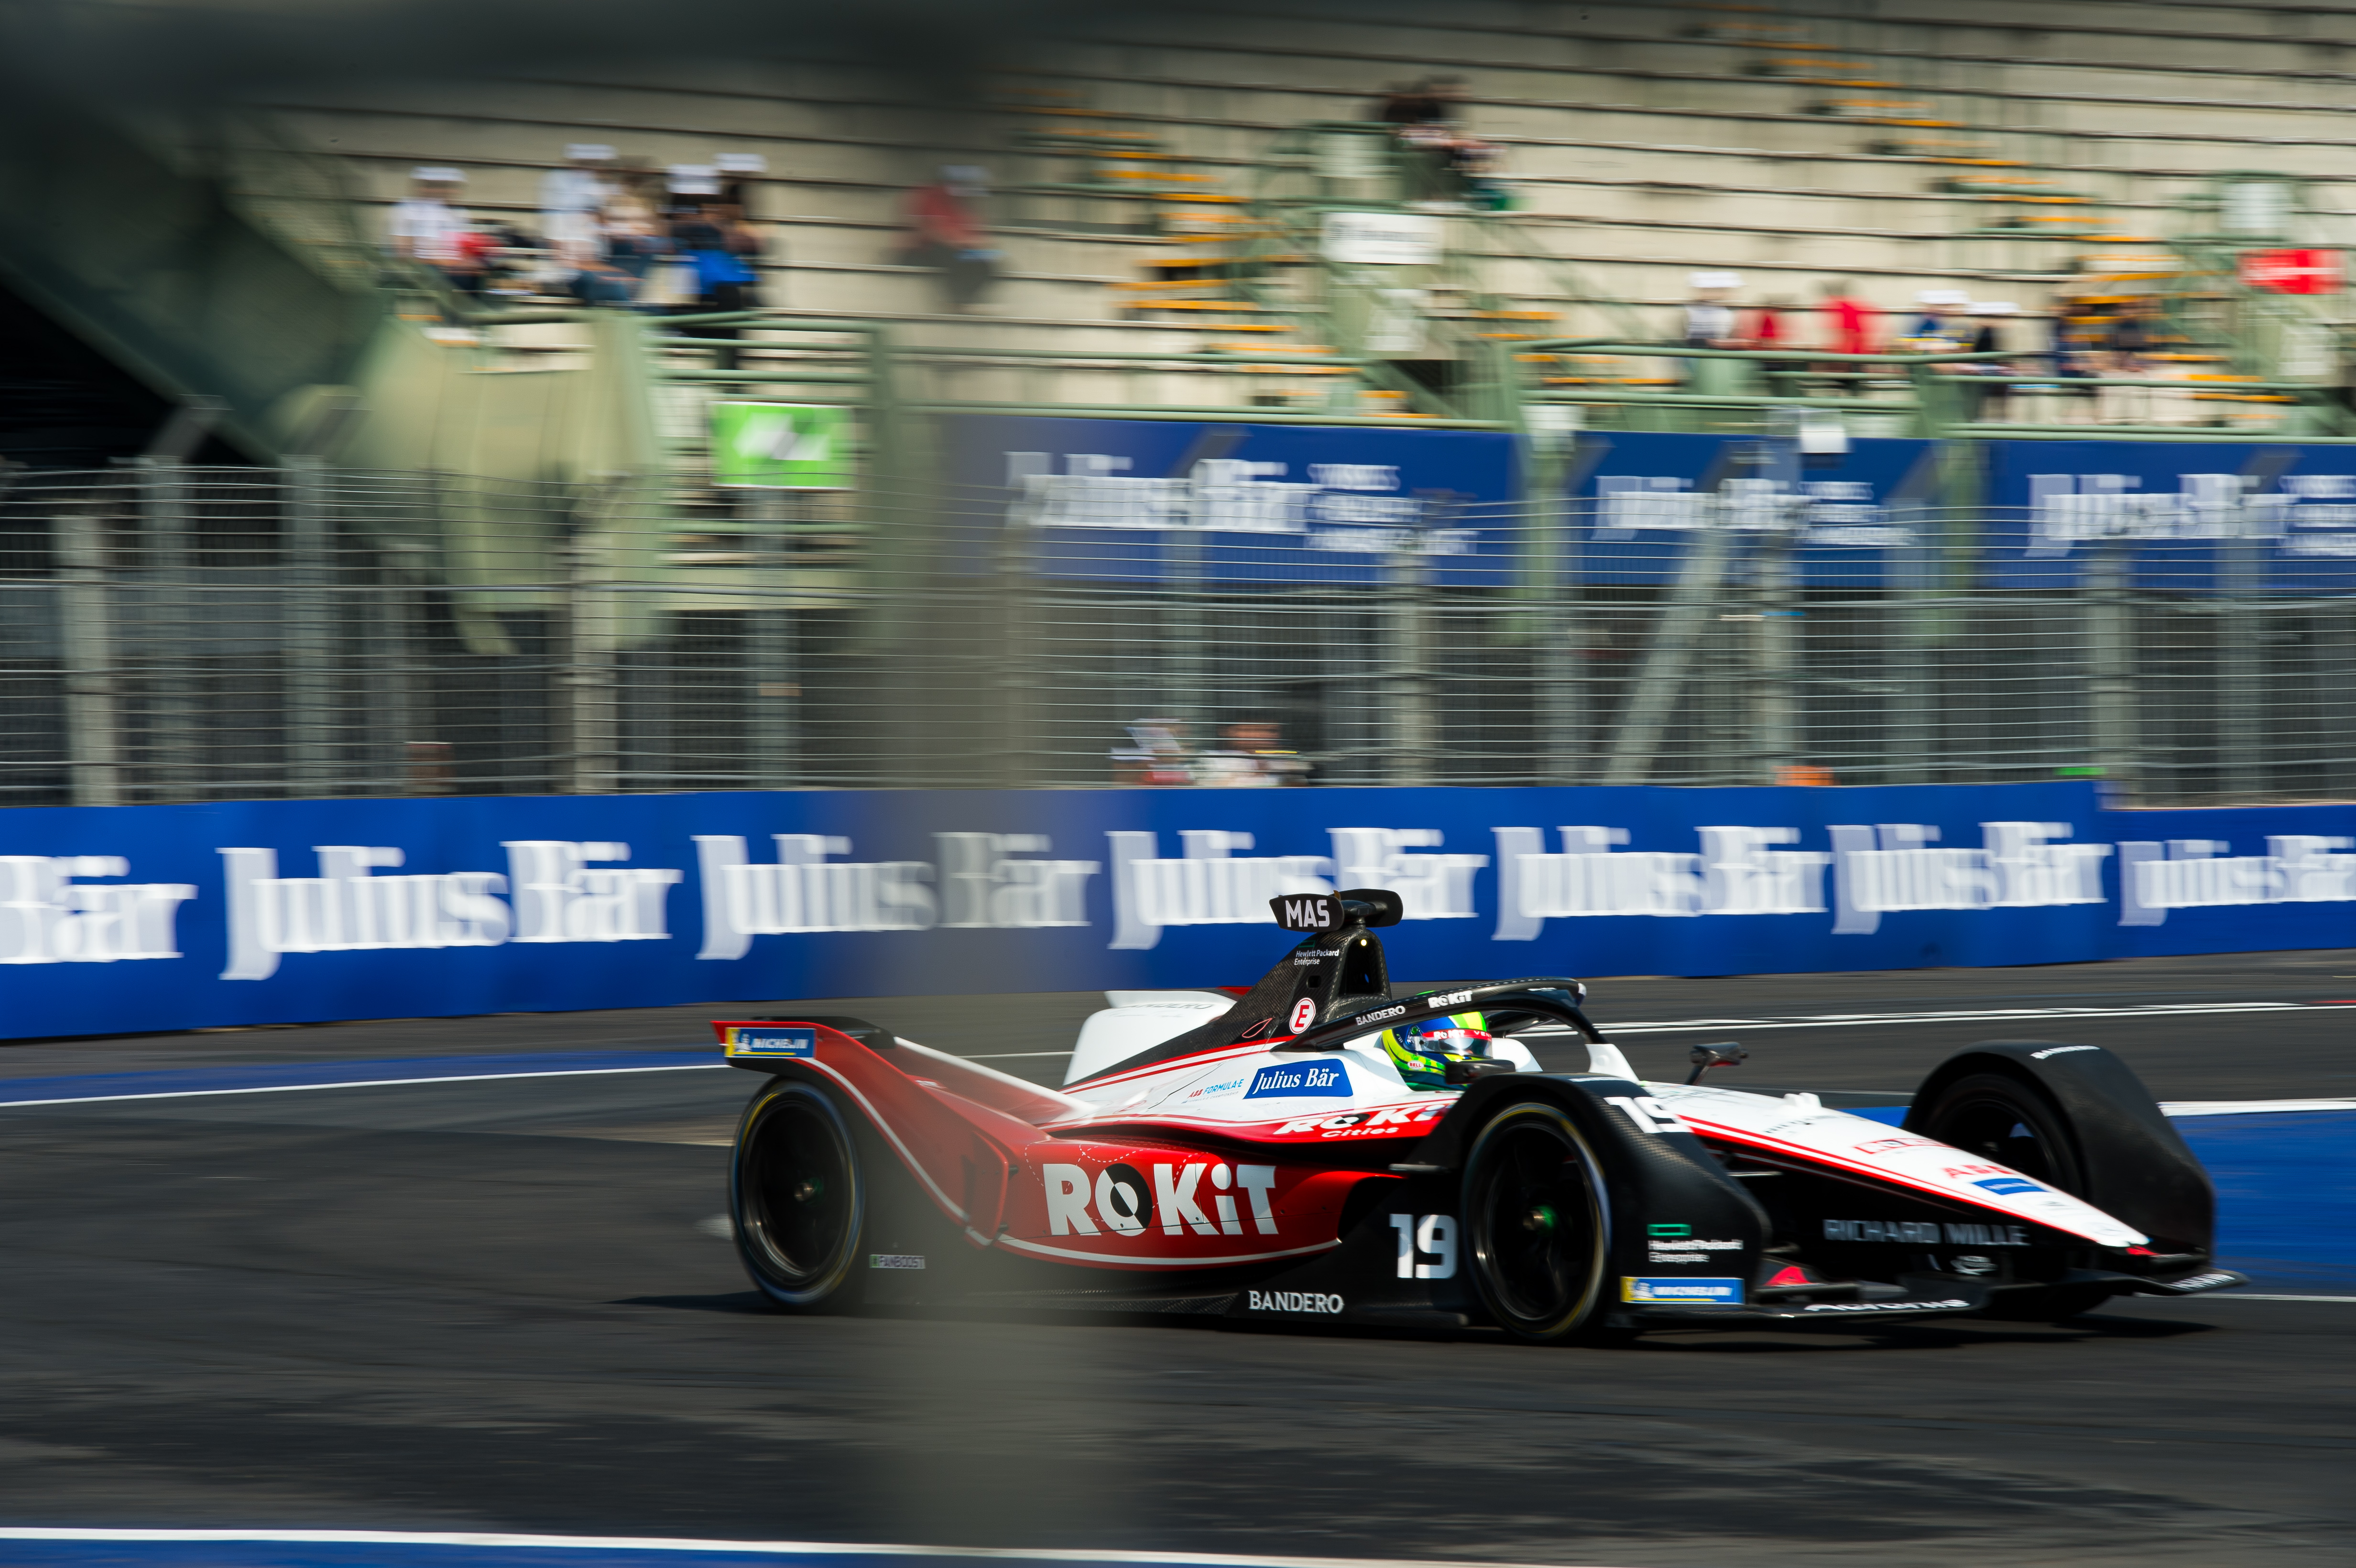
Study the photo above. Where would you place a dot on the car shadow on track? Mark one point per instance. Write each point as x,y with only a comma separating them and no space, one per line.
1832,1340
1812,1339
735,1302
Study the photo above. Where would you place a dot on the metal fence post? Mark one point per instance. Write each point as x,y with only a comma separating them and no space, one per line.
2240,674
1549,579
167,628
1683,619
1017,626
592,718
398,666
769,644
1774,643
1911,628
2110,666
86,638
1413,739
308,655
1186,634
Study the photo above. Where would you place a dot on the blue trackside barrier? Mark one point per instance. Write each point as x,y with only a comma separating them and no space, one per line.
130,918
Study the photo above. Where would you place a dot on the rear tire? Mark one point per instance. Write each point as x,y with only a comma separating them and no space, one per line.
1536,1224
2012,1122
796,1197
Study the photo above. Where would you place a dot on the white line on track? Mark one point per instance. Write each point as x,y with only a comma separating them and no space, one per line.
2255,1295
355,1084
1860,1021
2243,1107
670,1543
1984,1015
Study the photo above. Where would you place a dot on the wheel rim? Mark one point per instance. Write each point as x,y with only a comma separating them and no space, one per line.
798,1195
1536,1224
2001,1124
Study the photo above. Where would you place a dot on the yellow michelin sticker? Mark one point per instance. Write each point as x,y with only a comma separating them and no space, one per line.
769,1042
1665,1291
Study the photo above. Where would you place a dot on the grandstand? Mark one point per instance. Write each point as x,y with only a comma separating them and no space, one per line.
1999,150
1161,186
1157,182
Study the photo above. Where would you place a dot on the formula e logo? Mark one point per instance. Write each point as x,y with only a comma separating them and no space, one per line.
1295,1078
1304,1013
1295,1301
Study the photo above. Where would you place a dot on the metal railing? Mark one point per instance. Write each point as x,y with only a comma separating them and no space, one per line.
171,634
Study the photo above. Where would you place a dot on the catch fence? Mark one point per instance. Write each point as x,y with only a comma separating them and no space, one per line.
178,633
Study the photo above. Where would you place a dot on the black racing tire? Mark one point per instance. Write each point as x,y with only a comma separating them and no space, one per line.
1537,1229
2013,1121
797,1198
2010,1121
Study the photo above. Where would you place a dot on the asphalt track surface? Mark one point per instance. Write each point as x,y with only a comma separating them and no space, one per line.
499,1303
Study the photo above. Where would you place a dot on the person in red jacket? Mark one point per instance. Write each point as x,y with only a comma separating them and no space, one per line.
944,233
1850,328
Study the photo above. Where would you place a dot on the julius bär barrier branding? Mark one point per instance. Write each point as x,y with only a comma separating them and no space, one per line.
492,905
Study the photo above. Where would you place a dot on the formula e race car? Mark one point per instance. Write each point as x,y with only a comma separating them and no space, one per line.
1317,1149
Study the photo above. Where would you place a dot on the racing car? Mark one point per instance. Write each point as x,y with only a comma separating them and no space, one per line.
1313,1148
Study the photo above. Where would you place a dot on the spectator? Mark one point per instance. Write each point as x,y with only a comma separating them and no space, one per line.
1772,328
1985,339
1850,318
716,242
427,229
631,239
1264,745
1448,165
1709,320
572,198
1406,103
2134,335
1934,332
2138,330
944,233
2071,351
1157,754
722,249
1849,323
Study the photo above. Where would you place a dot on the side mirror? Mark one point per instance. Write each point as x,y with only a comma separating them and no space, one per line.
1376,906
1705,1057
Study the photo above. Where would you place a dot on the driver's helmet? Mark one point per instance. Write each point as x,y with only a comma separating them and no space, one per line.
1421,1051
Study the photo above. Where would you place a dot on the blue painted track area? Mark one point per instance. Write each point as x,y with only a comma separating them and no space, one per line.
2286,1194
2285,1191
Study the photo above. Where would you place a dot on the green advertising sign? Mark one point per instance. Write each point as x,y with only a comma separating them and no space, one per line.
794,446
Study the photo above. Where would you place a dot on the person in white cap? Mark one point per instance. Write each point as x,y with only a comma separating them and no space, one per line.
570,200
427,229
1710,319
1934,333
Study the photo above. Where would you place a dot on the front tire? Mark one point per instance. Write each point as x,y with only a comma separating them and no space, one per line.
1535,1223
2012,1122
797,1198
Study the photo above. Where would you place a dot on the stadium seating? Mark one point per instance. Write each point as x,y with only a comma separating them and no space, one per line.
1991,148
